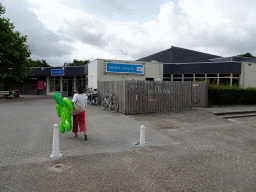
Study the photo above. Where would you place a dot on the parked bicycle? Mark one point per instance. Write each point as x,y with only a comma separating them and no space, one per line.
110,104
92,96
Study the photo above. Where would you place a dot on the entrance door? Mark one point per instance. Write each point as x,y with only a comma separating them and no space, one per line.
70,88
64,88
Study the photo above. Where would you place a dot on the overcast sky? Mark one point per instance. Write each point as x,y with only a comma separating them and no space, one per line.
62,30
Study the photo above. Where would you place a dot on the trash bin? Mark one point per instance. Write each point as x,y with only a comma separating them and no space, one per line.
17,92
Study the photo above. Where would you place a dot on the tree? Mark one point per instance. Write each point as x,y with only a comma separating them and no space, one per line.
246,55
14,53
38,63
77,62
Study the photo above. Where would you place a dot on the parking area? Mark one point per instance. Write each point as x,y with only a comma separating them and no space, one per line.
186,151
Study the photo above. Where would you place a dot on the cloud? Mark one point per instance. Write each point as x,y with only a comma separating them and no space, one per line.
226,27
43,43
64,31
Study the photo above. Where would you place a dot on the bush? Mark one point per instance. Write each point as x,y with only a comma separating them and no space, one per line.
226,94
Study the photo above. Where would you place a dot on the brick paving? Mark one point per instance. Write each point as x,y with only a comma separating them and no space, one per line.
186,151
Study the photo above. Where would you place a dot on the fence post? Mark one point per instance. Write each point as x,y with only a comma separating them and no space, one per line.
142,135
55,144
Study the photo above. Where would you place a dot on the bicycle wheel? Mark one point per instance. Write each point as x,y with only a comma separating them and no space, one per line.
103,104
89,100
113,106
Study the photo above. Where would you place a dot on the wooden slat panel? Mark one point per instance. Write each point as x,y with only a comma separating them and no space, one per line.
132,93
146,97
175,95
164,96
136,96
153,96
169,96
130,98
150,97
140,97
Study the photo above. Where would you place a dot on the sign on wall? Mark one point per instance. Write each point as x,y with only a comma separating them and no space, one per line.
40,85
124,68
57,72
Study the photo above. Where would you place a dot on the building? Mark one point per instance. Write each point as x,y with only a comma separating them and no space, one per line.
187,65
47,80
115,70
174,64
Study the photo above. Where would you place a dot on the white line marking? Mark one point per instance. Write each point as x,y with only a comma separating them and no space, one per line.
234,121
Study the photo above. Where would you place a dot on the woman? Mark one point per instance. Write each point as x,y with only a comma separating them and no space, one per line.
79,118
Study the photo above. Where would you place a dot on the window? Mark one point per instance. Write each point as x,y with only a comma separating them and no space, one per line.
200,75
212,75
54,83
81,81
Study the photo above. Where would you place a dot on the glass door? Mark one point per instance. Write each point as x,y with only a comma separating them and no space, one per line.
65,88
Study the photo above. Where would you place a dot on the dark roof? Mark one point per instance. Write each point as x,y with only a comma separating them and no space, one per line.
68,71
179,55
236,58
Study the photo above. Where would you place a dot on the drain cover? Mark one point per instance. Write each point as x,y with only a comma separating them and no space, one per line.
59,167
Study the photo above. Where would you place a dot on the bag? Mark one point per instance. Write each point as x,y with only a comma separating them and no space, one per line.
78,108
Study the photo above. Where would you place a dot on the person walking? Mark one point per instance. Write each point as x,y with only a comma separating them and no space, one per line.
80,117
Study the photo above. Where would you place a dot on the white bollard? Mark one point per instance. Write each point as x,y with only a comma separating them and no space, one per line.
142,135
55,144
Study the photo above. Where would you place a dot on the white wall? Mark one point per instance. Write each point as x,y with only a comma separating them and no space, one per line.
248,75
98,67
92,74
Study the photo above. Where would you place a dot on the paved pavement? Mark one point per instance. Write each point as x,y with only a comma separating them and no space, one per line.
186,151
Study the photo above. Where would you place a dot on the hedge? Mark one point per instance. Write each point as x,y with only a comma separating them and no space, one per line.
218,95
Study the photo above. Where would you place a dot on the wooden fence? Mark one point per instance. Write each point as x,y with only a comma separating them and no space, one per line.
200,94
154,96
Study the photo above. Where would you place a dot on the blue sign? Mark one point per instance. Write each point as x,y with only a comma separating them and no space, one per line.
124,68
57,72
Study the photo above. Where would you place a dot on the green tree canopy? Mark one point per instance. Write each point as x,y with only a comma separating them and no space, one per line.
14,53
39,63
78,63
247,55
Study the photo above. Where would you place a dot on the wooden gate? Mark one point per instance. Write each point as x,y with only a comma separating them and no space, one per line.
200,94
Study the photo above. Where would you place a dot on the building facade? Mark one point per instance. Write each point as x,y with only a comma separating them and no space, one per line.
116,70
174,64
188,65
63,80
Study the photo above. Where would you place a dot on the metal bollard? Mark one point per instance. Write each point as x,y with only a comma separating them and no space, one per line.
142,135
55,144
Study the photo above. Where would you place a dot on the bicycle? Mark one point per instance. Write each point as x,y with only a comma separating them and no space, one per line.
111,105
91,96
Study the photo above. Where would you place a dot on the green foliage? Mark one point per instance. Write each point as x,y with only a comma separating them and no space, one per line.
78,63
203,80
226,94
2,9
38,63
14,53
247,55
